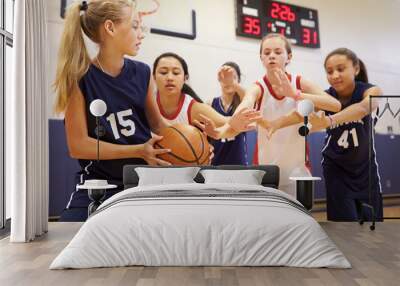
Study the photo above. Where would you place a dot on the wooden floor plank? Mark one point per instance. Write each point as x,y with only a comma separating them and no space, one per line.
374,255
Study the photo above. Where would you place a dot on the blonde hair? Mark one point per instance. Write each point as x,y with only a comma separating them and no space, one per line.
73,58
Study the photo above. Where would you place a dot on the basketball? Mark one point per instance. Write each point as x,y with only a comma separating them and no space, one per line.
188,145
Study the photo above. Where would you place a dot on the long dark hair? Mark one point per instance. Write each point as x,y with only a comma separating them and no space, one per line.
236,97
362,75
185,88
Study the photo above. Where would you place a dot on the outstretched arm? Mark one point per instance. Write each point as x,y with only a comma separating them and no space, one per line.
239,122
202,108
289,119
282,86
318,96
353,112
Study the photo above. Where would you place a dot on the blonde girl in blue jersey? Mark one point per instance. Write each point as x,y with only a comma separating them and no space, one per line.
125,85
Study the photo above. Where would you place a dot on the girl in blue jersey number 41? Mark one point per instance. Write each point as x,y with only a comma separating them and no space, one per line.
346,152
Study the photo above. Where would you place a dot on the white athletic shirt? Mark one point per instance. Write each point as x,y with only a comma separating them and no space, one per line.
182,114
286,147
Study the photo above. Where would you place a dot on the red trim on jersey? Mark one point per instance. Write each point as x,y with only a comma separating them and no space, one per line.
271,91
172,116
308,161
255,154
189,111
298,82
257,105
289,76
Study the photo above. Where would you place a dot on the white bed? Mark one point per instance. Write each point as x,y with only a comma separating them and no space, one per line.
201,224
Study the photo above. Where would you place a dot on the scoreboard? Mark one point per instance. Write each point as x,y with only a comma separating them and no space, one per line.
257,18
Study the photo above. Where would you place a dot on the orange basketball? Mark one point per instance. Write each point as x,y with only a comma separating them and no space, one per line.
188,145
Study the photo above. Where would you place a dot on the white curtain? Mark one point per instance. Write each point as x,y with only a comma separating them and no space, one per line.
26,124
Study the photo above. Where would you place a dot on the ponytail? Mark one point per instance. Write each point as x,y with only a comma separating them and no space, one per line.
73,58
235,102
186,89
362,75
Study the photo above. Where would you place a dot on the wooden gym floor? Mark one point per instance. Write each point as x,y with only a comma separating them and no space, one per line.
374,255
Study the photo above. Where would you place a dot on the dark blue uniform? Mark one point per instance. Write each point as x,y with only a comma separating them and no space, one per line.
232,151
346,166
125,123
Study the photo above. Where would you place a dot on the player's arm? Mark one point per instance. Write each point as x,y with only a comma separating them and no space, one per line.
81,146
239,90
289,119
239,122
353,112
153,115
202,108
318,96
311,91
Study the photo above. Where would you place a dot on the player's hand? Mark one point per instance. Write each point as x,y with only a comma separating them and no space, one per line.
281,84
211,156
318,121
270,126
226,76
149,153
208,127
243,120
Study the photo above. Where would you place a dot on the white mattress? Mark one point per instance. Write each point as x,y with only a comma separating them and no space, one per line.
138,227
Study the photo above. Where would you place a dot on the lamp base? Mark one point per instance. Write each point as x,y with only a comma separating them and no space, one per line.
305,190
305,193
97,196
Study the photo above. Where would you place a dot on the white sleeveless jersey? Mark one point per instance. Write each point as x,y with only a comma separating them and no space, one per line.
286,147
182,115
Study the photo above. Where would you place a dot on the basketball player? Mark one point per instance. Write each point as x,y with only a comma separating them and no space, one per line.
346,153
229,151
125,85
275,95
178,103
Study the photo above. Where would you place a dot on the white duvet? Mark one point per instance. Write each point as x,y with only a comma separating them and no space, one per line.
267,229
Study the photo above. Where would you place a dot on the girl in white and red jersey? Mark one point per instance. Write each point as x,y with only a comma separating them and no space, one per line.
177,101
275,95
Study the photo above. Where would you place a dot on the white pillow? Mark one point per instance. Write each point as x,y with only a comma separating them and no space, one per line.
164,176
248,177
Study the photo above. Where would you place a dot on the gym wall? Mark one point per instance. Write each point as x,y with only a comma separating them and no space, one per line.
369,27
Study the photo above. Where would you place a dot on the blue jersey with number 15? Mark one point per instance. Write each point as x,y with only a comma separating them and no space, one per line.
125,120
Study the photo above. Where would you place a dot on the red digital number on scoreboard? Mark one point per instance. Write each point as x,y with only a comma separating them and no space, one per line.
251,26
282,12
309,36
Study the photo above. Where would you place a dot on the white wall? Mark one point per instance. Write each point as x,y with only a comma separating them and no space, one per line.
369,27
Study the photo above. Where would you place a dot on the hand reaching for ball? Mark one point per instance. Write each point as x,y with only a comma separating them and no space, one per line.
149,153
